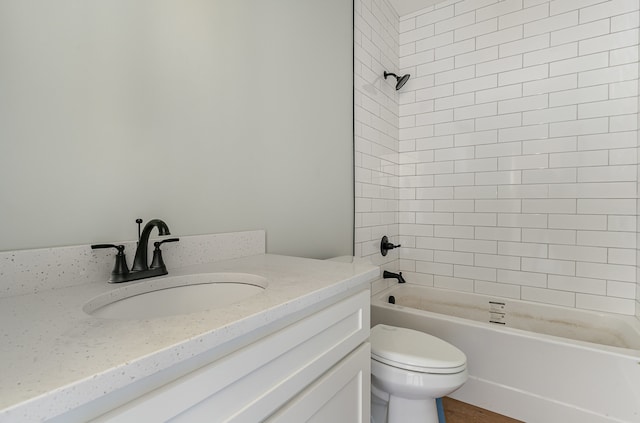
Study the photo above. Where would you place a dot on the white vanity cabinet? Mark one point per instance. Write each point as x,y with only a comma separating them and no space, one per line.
315,369
340,395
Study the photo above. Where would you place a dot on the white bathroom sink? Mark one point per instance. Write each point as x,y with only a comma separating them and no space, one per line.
175,295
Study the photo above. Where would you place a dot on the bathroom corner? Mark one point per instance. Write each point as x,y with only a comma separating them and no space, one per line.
638,204
377,166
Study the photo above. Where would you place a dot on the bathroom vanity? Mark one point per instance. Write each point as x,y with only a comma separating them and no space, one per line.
316,367
296,351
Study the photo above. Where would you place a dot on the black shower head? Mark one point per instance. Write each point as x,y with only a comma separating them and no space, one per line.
400,80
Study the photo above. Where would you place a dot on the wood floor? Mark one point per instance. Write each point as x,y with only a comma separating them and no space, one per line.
460,412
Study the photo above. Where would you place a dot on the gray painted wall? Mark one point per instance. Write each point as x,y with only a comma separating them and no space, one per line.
215,116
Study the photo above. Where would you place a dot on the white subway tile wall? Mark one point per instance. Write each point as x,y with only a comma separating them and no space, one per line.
508,165
518,164
625,22
377,120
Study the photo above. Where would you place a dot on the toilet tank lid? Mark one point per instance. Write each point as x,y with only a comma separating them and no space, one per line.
413,349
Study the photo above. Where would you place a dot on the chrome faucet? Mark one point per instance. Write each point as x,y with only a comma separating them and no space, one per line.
141,268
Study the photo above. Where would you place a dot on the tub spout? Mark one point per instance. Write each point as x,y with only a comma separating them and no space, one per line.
398,276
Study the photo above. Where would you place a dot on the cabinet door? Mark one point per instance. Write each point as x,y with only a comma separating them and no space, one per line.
341,395
257,380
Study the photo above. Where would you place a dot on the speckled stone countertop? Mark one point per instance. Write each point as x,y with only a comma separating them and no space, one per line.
54,357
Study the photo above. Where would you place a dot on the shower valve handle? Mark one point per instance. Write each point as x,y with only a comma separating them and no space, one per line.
385,246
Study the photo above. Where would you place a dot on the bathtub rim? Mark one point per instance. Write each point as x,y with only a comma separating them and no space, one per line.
380,300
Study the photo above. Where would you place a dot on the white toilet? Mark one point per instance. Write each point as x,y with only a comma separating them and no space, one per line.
409,370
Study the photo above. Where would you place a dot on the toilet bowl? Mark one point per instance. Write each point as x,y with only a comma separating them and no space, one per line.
409,370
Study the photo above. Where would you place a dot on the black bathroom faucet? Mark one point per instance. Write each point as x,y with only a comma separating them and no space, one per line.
140,262
141,268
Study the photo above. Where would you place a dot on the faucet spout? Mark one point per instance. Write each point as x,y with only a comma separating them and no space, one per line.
398,276
141,262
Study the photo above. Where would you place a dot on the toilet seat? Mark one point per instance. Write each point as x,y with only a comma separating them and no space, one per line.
413,350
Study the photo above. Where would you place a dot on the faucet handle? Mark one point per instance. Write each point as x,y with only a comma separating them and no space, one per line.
157,261
385,245
120,269
157,244
120,248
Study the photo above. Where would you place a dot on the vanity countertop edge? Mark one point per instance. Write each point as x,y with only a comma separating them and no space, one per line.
55,358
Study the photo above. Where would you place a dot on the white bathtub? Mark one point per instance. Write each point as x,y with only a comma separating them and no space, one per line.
537,363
